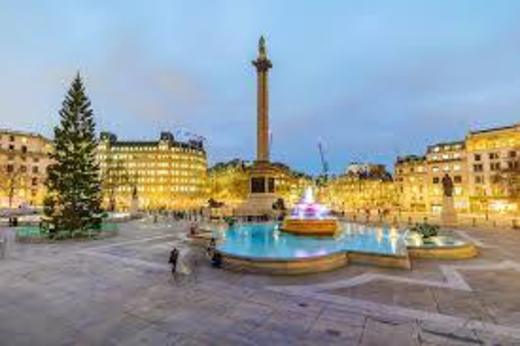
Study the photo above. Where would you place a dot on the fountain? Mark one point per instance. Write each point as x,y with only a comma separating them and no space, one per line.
310,218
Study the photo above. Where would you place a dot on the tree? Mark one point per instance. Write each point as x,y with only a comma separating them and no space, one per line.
12,180
73,185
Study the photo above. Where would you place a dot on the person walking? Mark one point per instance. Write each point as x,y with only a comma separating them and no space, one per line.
174,256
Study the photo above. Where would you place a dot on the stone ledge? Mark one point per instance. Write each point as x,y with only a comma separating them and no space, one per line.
284,267
380,260
464,251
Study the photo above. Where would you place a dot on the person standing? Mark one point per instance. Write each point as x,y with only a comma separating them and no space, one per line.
174,256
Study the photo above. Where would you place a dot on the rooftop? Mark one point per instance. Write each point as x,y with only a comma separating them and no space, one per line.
165,137
23,133
495,129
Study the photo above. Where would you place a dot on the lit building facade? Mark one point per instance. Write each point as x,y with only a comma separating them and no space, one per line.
447,158
163,174
365,187
229,182
494,169
484,168
412,183
24,158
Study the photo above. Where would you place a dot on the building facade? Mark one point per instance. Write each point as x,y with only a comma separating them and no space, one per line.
162,174
484,168
447,158
493,157
24,157
229,182
412,183
365,187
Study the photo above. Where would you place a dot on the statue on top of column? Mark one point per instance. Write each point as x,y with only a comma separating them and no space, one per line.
261,48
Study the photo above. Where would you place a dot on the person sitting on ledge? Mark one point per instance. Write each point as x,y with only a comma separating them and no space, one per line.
216,260
210,251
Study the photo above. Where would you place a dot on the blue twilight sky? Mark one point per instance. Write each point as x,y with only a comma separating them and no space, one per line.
371,79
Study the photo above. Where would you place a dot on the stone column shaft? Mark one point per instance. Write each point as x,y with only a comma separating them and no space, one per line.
262,138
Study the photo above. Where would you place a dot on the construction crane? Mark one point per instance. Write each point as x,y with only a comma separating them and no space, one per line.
324,163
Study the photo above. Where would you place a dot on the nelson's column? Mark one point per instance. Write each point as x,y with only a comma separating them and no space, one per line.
262,176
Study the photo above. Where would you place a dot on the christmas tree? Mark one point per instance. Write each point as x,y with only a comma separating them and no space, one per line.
73,182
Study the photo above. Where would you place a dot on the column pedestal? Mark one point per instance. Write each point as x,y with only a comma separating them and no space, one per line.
261,191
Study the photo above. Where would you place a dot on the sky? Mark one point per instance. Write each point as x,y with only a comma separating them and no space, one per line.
369,79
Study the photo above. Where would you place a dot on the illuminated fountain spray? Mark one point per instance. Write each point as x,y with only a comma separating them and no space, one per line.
307,208
310,218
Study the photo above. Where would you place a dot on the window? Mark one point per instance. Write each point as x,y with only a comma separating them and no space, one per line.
477,157
478,168
11,147
436,180
36,160
10,168
495,166
34,181
24,149
11,138
457,179
479,179
512,164
23,169
35,169
435,169
512,153
493,156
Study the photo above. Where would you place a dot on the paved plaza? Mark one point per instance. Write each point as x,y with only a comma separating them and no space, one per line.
119,291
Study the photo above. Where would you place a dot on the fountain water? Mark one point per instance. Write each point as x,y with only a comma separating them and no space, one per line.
310,218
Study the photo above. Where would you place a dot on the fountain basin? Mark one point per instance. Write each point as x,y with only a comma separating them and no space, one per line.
311,227
264,248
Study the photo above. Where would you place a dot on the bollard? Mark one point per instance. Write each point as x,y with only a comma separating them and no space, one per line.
474,221
409,220
513,224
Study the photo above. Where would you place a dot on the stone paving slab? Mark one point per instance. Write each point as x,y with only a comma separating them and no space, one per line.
119,291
